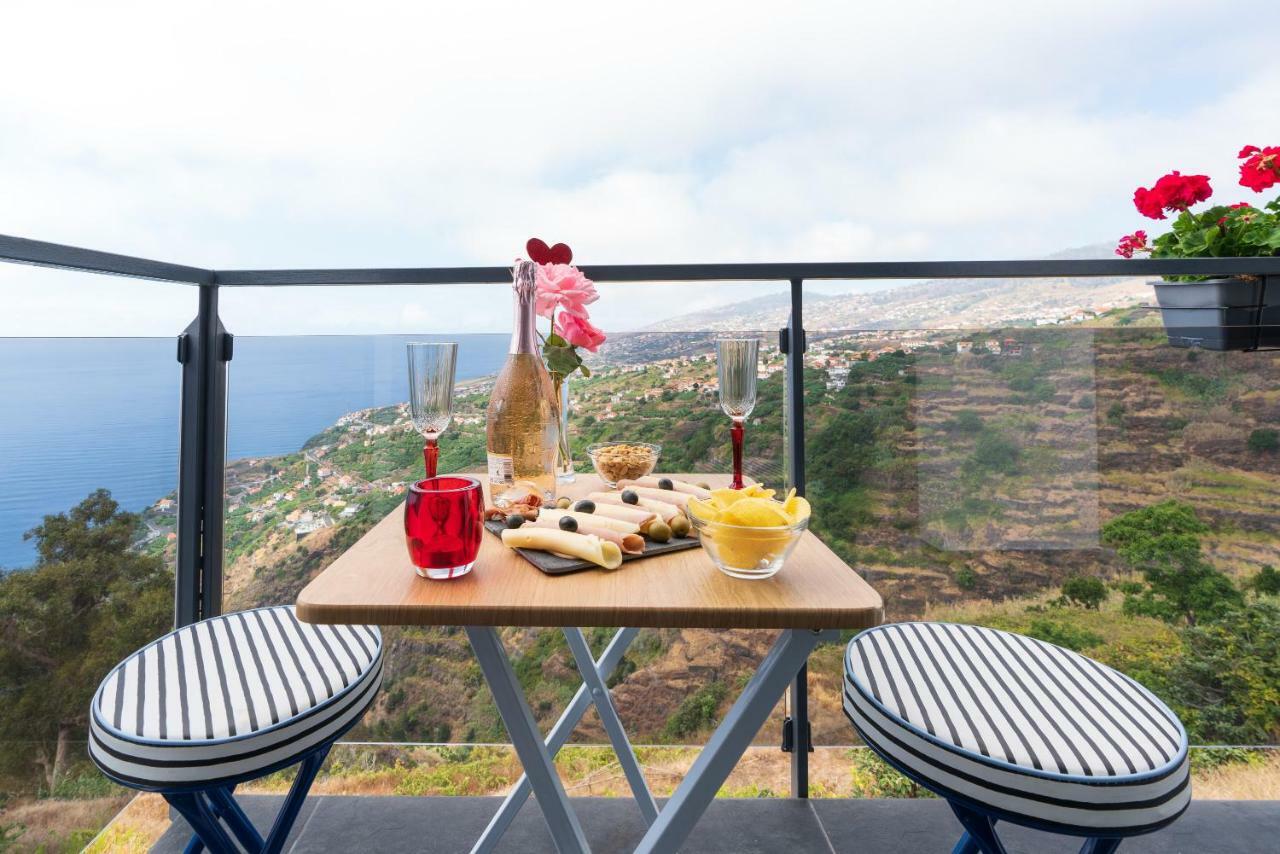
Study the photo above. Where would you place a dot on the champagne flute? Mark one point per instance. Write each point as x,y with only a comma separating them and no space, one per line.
431,368
736,366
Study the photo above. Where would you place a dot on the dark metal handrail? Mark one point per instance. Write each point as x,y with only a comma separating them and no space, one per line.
205,347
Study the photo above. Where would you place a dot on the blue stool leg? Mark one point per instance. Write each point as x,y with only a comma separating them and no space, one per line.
980,832
194,845
293,803
224,804
1100,845
198,814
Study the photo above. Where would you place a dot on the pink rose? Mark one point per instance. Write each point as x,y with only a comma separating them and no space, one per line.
563,286
578,331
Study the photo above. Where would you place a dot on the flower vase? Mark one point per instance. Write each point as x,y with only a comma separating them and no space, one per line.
564,457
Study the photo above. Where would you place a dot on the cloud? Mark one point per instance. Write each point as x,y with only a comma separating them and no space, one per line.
408,134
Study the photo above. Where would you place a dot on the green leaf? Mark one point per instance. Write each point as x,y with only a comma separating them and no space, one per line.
561,359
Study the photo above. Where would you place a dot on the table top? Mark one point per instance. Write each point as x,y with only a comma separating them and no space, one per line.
374,582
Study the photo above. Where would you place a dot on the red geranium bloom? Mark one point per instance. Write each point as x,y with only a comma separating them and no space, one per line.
1131,243
1173,192
1261,167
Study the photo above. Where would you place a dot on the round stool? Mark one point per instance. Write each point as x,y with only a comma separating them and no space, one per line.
228,700
1014,729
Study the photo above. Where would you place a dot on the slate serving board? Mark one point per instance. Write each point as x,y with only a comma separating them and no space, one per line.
556,565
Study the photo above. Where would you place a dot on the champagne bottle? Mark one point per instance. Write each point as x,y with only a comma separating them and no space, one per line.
522,427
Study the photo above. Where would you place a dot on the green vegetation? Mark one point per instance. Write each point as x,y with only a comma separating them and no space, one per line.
1164,542
1264,440
697,711
1086,591
87,602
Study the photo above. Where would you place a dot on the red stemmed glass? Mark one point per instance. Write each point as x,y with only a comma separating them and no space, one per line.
443,522
431,370
736,360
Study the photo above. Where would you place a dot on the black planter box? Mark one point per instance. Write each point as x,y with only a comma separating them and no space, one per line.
1221,314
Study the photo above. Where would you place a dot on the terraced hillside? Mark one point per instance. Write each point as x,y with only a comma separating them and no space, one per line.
948,478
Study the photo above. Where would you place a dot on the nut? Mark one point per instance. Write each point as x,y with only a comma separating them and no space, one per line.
624,462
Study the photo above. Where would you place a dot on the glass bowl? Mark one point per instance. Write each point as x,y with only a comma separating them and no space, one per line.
748,552
616,465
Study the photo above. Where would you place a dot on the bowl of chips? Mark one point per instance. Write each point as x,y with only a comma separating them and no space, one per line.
747,532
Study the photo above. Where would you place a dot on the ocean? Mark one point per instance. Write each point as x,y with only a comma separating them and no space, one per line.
83,413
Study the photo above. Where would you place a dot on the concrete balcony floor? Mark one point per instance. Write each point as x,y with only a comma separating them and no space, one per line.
731,826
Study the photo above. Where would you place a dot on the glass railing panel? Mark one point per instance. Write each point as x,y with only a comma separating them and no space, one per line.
1028,478
320,448
88,459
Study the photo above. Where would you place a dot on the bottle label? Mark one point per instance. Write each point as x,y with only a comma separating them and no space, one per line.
502,469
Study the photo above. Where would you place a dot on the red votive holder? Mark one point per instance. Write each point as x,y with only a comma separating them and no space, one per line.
443,522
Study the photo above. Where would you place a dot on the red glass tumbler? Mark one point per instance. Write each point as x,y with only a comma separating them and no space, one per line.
443,522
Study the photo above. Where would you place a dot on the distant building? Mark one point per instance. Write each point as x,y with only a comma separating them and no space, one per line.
963,347
993,345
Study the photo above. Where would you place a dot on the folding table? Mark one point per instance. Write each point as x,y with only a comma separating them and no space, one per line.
810,600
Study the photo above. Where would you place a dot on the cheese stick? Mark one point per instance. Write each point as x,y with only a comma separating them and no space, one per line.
662,508
636,515
666,496
620,525
632,544
679,485
585,546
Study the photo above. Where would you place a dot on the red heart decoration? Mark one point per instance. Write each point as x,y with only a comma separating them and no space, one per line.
561,254
538,251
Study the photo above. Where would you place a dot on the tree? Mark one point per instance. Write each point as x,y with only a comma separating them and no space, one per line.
1163,540
1226,684
994,452
88,601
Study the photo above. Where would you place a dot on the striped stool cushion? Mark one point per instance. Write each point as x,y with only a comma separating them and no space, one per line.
1018,726
231,696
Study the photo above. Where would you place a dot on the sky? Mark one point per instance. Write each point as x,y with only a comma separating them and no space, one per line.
317,134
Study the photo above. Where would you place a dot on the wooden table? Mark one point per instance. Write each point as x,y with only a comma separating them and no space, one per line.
810,599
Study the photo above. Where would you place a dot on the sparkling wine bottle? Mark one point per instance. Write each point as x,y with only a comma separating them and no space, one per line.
523,428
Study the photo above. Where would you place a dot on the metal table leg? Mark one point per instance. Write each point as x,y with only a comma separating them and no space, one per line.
612,725
731,739
556,739
527,740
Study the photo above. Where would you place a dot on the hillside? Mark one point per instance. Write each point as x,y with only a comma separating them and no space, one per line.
944,477
935,304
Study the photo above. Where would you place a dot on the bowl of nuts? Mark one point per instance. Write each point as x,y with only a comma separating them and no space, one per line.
615,461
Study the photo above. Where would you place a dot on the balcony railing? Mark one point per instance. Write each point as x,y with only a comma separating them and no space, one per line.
205,347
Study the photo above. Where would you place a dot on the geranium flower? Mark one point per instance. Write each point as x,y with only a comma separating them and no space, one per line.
1131,243
579,331
563,286
1173,192
1261,167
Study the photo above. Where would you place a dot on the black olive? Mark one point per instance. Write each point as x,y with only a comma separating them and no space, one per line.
586,505
666,483
515,520
568,523
629,496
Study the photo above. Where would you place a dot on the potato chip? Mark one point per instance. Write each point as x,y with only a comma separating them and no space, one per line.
755,513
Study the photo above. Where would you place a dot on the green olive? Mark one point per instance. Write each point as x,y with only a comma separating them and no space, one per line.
660,532
680,526
704,485
563,503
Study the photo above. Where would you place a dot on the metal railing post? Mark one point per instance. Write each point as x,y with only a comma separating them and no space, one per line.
795,728
204,349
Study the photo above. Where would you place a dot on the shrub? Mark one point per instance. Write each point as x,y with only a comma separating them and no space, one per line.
1063,634
1267,581
996,453
696,712
966,578
1086,591
1264,440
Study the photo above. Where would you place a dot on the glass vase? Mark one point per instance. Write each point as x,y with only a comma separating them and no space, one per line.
564,456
